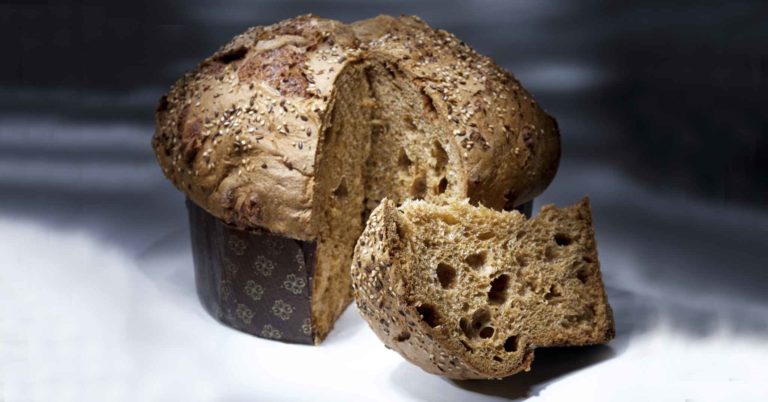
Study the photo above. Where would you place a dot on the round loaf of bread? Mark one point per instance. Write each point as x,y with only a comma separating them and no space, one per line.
301,128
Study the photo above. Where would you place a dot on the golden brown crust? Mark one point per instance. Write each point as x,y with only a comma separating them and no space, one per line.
239,133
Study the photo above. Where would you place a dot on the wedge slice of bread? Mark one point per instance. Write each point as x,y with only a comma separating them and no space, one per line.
470,292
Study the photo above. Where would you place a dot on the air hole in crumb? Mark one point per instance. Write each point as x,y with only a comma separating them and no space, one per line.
485,236
446,275
464,326
476,260
587,259
341,190
590,311
497,358
408,120
401,231
441,157
510,345
429,106
442,185
419,188
486,332
521,260
429,314
480,318
563,239
404,336
477,326
554,291
582,275
390,69
498,292
467,347
403,161
549,253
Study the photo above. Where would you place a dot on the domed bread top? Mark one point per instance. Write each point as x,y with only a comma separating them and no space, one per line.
239,134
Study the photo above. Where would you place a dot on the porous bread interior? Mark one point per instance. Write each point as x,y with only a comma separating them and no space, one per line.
339,197
494,285
381,141
408,159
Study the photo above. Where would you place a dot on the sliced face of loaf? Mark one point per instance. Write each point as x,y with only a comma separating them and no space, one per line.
470,292
374,145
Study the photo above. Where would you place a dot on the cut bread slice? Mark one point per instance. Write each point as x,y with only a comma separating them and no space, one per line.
469,292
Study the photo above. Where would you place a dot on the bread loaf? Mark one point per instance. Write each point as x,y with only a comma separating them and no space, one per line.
300,128
469,292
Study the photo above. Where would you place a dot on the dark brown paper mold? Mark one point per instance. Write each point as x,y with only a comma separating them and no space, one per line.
255,282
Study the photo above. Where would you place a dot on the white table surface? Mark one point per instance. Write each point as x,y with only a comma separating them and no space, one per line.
97,303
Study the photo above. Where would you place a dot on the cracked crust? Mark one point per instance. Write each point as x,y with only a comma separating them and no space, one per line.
239,134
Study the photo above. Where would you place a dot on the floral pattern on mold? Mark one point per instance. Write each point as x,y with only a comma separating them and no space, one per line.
237,245
254,290
282,309
271,332
244,313
263,265
294,284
